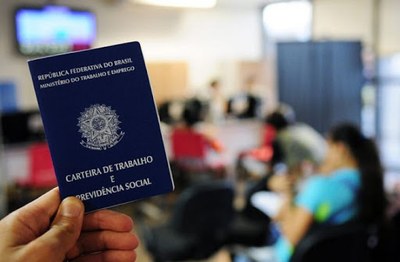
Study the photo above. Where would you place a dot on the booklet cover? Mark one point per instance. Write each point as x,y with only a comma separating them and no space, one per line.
102,126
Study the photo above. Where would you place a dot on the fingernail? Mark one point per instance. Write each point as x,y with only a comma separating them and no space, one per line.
71,208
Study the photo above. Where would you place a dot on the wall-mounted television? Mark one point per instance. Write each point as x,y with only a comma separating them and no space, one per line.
53,29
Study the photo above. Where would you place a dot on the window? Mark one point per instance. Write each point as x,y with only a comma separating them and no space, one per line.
288,21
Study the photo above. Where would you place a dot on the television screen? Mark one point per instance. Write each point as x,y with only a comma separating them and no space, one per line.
53,29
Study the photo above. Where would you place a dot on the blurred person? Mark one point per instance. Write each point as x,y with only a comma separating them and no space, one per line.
297,145
164,112
48,229
289,151
170,111
191,123
195,152
349,187
246,104
288,144
288,147
297,150
216,102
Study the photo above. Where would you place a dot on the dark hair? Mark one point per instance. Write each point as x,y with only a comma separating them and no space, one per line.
277,120
192,112
371,196
214,83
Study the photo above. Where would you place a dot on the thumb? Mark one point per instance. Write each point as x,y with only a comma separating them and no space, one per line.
64,231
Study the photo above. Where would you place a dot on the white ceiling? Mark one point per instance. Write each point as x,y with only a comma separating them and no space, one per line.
226,3
242,3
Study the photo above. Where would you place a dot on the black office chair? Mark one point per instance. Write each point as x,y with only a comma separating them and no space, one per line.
250,226
198,225
389,241
350,242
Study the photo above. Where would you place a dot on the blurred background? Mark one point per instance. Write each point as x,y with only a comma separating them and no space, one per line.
227,64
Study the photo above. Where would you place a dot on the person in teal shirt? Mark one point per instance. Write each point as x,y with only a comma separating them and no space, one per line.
349,187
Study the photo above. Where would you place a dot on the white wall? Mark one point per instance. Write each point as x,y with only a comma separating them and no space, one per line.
353,19
343,19
389,30
210,41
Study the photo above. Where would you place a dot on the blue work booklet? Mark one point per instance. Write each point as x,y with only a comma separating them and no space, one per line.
101,125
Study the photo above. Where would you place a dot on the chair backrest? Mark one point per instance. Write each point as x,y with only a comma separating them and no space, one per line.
204,210
198,225
344,243
188,144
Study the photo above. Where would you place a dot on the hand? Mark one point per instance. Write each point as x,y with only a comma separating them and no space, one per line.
106,236
281,183
50,230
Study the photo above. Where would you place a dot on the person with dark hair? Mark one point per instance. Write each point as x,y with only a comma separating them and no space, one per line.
285,142
191,116
195,107
277,120
289,147
246,104
349,187
192,149
268,153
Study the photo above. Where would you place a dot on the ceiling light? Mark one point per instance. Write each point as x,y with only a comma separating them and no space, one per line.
180,3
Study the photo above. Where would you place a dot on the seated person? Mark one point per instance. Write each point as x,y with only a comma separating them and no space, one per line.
296,145
245,104
255,163
216,103
349,187
288,147
191,147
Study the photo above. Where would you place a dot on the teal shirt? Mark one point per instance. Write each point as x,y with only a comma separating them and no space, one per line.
331,199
